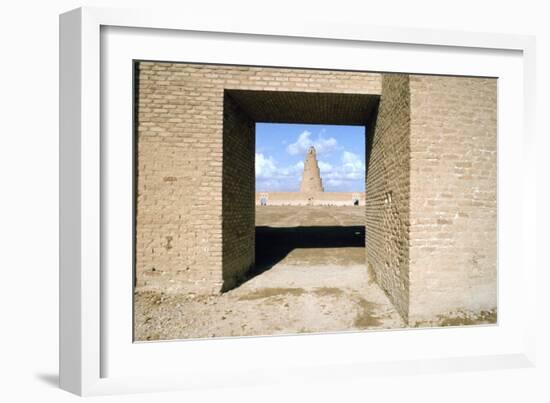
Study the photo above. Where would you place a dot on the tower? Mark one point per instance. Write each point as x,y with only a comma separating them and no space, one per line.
311,180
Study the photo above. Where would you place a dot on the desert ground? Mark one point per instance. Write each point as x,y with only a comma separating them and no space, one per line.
310,277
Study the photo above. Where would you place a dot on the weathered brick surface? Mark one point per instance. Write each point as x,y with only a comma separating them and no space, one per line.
331,108
311,177
239,146
453,240
184,160
430,184
388,191
179,151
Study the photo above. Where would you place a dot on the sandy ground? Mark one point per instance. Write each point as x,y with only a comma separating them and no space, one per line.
285,300
310,277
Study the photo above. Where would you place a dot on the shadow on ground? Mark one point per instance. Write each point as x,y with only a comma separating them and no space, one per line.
49,379
273,244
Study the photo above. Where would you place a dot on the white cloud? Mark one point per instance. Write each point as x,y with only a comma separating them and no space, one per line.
298,167
271,177
304,141
352,165
324,167
334,182
351,158
301,145
351,168
265,167
324,146
348,175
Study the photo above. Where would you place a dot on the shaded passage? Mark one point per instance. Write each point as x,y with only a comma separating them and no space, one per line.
307,245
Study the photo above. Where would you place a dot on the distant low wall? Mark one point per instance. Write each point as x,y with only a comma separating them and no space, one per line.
310,199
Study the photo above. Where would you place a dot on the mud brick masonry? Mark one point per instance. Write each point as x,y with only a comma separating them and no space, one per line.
430,195
311,178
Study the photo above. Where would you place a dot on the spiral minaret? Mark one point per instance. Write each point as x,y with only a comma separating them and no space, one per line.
311,180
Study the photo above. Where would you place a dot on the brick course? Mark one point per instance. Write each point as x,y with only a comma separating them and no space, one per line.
431,176
453,241
388,191
181,168
238,184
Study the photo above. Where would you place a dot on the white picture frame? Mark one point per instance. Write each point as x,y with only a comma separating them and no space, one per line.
96,355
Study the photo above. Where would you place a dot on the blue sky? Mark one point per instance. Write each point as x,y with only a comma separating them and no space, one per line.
281,149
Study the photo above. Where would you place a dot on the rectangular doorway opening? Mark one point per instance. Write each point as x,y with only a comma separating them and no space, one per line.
309,200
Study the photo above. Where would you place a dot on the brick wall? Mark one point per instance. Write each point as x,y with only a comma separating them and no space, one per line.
179,171
430,183
181,166
388,191
238,237
453,196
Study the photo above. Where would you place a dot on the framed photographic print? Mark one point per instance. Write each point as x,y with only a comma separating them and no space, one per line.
244,205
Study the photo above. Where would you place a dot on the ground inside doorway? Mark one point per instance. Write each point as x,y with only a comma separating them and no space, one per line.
310,277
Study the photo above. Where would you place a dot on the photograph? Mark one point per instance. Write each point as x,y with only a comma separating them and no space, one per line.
279,201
